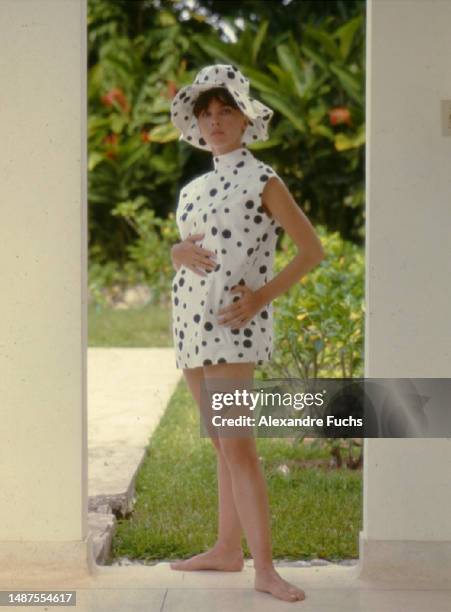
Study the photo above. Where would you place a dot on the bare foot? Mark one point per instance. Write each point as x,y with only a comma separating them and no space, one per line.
269,581
212,560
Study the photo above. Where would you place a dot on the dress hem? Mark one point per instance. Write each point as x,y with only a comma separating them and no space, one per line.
233,359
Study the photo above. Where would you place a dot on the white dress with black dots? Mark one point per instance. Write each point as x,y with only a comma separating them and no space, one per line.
224,204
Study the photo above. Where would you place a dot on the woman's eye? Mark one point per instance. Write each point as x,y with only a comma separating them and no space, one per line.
223,110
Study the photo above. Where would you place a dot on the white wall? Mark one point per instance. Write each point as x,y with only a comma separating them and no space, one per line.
407,482
43,455
408,189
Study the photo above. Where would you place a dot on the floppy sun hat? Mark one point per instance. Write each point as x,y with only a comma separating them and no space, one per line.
229,77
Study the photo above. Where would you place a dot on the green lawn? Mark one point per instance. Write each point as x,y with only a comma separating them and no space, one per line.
315,512
147,326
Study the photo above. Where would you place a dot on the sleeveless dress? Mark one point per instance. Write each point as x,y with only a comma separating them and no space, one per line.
224,204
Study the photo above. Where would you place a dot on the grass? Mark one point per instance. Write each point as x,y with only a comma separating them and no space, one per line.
136,327
315,512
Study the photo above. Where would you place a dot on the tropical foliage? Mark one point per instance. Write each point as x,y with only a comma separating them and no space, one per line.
311,73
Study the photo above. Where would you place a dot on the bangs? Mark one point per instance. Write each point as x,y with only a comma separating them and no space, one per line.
221,94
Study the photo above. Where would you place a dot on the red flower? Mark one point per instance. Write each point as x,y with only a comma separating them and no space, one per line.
339,114
115,95
145,136
111,139
171,89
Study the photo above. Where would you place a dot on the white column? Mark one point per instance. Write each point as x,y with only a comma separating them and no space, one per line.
407,482
43,230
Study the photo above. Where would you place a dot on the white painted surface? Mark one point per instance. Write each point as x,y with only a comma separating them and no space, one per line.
407,482
43,424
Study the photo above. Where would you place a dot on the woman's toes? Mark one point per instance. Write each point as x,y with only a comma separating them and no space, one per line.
173,565
299,594
282,589
283,594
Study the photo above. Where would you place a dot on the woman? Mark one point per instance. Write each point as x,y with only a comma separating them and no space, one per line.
223,289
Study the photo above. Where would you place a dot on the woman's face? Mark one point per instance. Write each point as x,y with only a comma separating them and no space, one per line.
222,126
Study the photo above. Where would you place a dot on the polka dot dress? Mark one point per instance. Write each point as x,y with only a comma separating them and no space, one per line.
224,204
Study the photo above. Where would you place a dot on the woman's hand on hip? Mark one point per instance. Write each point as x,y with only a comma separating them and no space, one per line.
242,310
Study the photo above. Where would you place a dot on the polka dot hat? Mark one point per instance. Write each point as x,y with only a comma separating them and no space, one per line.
219,75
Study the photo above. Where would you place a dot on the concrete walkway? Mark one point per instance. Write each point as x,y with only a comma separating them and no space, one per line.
128,390
159,589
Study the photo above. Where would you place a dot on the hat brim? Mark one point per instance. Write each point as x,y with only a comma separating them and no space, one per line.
183,118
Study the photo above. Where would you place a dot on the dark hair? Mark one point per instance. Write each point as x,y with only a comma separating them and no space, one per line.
219,93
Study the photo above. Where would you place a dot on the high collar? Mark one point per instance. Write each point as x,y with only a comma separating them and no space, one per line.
230,159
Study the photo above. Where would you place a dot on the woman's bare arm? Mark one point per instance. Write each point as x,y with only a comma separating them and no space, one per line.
278,200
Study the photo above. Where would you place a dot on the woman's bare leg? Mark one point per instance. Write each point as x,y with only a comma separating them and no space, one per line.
227,554
249,490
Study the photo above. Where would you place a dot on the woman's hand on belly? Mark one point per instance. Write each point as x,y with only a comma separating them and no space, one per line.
194,257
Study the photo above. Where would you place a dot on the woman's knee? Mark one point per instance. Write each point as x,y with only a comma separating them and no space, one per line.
216,443
194,378
239,452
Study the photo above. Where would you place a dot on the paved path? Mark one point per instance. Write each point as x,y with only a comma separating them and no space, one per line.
160,589
128,391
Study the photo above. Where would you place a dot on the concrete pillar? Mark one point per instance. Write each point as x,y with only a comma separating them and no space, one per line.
43,263
407,482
